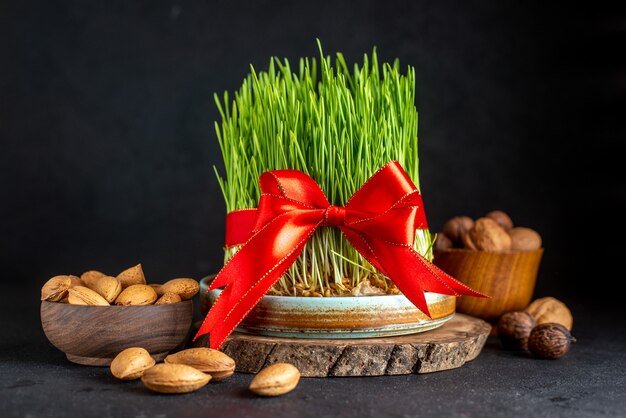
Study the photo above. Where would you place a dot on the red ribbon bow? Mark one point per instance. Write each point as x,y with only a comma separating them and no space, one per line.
379,220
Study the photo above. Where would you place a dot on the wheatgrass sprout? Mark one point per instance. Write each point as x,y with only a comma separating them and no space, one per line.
338,125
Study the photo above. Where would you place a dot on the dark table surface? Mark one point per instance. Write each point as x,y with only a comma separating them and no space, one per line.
37,381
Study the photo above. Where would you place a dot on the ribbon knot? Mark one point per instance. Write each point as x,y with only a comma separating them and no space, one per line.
379,220
334,216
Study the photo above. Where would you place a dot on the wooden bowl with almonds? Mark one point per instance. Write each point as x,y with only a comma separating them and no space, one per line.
94,317
94,335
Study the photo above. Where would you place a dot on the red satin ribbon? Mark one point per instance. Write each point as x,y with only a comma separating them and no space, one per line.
379,220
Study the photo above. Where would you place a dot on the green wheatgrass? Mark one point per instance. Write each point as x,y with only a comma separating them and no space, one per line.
335,124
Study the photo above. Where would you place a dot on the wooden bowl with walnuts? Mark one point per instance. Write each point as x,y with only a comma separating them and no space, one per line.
93,317
492,257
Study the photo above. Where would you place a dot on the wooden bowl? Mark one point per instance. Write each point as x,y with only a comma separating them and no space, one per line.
508,277
94,335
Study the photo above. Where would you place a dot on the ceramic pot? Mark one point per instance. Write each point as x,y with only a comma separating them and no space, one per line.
337,317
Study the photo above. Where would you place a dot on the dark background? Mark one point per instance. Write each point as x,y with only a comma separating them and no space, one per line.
106,122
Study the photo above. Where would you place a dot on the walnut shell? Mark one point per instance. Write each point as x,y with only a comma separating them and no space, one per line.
550,341
456,227
501,219
549,309
487,235
514,329
524,239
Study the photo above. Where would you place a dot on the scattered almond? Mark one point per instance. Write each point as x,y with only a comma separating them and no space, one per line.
137,294
131,276
207,360
168,298
185,288
275,380
108,287
81,295
91,277
130,364
56,288
174,378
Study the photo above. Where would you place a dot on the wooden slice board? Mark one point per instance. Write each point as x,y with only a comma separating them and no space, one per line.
459,340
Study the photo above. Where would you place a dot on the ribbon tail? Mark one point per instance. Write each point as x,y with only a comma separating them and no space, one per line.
254,269
457,286
412,273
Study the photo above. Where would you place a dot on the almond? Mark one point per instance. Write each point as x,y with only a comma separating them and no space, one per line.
130,364
76,281
56,288
81,295
275,380
108,287
168,298
185,288
174,378
207,360
137,294
131,276
91,277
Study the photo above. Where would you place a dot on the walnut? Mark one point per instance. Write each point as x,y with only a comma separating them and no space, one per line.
501,219
487,235
550,340
456,227
514,329
442,242
468,243
549,309
524,239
